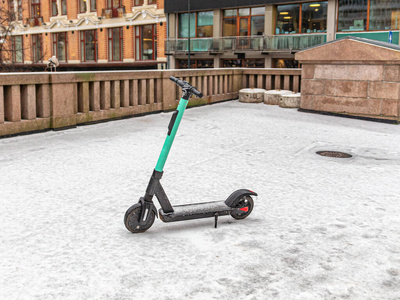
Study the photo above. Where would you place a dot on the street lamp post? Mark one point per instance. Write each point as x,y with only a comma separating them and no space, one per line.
189,34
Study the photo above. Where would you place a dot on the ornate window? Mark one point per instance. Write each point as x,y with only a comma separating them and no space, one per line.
54,8
37,48
60,46
115,44
63,7
17,9
114,3
35,8
83,5
17,49
89,48
146,42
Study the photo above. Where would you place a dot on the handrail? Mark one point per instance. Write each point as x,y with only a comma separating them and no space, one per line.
281,42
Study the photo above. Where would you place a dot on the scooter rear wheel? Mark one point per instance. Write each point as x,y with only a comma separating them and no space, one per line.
243,207
132,219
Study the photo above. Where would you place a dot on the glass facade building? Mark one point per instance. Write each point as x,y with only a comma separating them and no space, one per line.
269,33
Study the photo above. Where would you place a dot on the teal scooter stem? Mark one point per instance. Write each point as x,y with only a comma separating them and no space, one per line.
175,121
140,216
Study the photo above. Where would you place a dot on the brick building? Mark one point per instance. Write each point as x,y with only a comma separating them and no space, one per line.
89,34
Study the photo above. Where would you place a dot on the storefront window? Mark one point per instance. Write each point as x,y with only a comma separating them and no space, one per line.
115,44
314,16
88,45
196,63
285,63
239,63
201,24
60,46
353,15
384,15
37,48
254,63
287,19
243,22
146,42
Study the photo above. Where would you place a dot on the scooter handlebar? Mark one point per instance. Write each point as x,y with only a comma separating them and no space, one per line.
186,85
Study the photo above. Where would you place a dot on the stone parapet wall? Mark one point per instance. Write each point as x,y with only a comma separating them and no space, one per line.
42,101
369,90
356,86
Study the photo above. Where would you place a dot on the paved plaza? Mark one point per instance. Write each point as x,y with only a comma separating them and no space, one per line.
321,228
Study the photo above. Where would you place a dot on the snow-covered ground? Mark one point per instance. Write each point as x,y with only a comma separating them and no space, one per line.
322,228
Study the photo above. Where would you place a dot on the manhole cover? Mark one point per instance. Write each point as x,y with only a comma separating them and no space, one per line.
336,154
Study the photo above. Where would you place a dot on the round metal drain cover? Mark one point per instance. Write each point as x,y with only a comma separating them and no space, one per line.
336,154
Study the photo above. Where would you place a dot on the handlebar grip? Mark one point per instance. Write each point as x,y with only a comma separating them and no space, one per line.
197,93
184,84
177,81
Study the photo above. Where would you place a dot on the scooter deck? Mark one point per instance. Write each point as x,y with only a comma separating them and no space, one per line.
195,211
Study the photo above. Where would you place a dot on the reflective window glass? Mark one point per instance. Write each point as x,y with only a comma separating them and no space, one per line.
244,12
352,15
183,25
314,16
230,13
384,15
287,19
257,25
205,24
258,11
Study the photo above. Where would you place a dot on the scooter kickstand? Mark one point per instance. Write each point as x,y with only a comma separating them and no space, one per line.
216,220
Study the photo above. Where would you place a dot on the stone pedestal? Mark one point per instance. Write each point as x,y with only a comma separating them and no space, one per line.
352,76
273,97
290,100
251,95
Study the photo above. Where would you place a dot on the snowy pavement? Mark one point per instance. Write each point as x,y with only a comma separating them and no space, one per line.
321,228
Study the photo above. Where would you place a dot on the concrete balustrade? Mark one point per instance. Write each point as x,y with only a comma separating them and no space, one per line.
32,102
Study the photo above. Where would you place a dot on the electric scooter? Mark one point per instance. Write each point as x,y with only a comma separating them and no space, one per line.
140,216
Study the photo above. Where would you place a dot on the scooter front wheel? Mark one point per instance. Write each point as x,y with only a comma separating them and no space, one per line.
243,207
132,219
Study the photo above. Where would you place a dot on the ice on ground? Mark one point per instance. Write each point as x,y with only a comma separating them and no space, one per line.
322,228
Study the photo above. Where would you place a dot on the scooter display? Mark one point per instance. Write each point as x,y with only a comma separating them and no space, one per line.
140,216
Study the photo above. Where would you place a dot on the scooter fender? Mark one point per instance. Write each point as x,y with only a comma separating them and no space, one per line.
231,200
